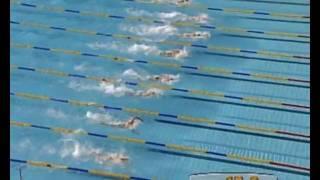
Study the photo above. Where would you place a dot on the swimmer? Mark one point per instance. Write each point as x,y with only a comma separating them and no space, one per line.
165,78
106,81
149,92
202,18
176,2
116,158
131,124
196,35
175,53
183,2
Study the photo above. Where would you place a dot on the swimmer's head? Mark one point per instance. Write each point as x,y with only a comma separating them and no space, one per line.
105,80
124,158
118,158
183,2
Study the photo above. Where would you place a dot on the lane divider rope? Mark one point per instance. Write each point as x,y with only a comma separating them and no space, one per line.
213,94
228,30
236,11
95,172
145,112
211,70
175,147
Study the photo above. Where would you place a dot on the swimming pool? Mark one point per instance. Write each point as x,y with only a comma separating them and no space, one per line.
241,103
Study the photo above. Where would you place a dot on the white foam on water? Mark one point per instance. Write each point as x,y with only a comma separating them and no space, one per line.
80,67
107,119
134,12
170,15
151,32
25,143
79,86
151,92
202,35
115,90
132,74
73,148
175,2
56,114
98,45
142,48
86,152
99,117
184,53
201,18
49,149
131,49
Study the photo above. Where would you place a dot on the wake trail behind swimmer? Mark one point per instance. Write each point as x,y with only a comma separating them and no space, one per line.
110,88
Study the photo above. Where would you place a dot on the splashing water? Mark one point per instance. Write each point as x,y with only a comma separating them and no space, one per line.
132,74
151,33
115,90
162,78
106,119
177,54
152,92
130,49
85,152
142,48
98,117
196,35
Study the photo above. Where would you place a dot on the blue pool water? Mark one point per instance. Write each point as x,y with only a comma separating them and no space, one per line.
232,112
